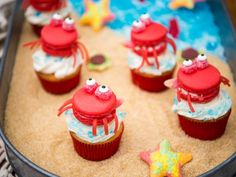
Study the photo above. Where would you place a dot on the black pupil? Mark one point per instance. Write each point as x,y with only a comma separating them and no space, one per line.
202,55
90,79
103,86
187,59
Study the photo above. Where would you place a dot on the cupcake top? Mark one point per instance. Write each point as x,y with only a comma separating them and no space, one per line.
59,37
94,108
198,81
149,41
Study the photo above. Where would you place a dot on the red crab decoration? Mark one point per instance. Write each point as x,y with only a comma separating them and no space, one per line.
93,105
44,5
59,38
197,81
149,39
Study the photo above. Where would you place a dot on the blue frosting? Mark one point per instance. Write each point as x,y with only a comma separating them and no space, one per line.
211,110
85,132
194,24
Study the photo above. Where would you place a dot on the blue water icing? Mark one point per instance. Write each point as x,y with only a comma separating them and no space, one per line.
85,132
206,111
197,27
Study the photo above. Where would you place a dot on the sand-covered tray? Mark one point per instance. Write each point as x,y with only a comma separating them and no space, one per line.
33,128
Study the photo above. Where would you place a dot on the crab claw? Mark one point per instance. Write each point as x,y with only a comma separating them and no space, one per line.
128,44
225,81
145,156
171,83
119,103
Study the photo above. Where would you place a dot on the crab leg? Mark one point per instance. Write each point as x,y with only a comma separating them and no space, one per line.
74,57
105,125
116,124
32,44
178,95
189,103
172,43
83,51
144,58
94,127
66,103
64,109
156,58
225,81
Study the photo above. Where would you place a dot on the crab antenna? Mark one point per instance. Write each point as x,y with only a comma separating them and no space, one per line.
156,58
190,104
63,110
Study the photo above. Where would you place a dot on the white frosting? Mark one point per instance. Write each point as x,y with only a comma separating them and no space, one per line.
43,18
214,109
59,66
167,62
84,132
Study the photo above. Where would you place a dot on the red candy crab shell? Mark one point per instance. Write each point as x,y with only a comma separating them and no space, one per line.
152,34
90,105
201,80
56,36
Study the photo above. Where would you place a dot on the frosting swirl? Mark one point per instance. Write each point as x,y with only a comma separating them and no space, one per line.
167,62
85,132
214,109
43,18
59,66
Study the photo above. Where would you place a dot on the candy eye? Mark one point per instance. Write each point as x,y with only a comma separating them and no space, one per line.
57,16
138,26
68,24
90,81
202,57
103,89
103,92
145,18
91,85
187,62
56,19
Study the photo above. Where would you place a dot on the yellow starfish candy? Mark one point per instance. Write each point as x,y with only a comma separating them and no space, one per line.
175,4
96,14
164,161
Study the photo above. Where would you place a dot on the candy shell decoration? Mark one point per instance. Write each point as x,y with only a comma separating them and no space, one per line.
164,161
96,14
98,63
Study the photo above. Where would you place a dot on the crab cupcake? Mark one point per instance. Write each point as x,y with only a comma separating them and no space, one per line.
202,106
150,60
94,123
39,12
59,60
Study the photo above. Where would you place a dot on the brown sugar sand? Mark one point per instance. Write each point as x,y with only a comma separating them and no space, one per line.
33,127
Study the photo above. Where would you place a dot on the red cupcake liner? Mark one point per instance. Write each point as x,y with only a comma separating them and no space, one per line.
152,83
204,130
37,29
60,86
97,152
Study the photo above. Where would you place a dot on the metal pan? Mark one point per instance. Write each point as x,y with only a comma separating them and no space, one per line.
23,166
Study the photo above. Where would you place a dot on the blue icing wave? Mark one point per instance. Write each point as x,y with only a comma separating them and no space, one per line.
85,132
212,110
197,27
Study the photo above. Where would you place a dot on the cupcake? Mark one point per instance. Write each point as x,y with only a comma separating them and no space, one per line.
39,12
58,61
94,123
150,60
202,106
